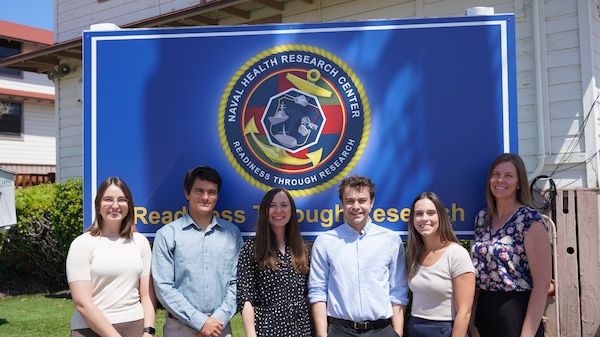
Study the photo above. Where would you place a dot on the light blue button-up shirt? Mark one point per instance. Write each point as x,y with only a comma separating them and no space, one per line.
358,275
195,271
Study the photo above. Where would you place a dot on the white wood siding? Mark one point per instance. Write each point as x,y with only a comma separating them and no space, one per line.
74,16
37,145
594,33
70,125
32,82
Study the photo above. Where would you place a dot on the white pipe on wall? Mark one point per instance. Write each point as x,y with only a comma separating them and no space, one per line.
554,240
540,88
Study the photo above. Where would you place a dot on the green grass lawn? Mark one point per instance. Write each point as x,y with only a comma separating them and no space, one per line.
50,316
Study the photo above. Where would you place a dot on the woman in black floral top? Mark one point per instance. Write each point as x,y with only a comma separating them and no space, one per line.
512,256
273,272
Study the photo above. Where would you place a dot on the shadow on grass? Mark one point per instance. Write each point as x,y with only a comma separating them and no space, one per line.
62,294
3,321
15,283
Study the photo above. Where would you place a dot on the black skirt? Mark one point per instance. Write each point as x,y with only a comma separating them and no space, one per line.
501,313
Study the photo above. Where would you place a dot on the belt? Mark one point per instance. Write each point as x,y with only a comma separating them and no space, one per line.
170,315
365,325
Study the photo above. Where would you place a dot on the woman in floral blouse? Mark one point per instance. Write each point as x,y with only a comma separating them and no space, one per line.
512,256
273,272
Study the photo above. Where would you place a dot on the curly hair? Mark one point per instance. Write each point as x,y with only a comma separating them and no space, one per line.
358,182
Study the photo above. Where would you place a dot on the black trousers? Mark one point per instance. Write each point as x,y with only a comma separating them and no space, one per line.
501,314
335,330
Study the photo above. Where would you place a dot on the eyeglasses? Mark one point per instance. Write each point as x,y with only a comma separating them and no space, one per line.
120,201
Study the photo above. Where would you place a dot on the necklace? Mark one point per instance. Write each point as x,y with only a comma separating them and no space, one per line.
499,220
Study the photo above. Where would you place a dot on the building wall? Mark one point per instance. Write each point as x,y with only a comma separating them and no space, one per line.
591,94
29,81
562,69
37,144
554,138
35,150
73,16
595,32
29,169
69,121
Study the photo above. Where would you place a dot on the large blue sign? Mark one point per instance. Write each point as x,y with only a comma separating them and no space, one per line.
417,105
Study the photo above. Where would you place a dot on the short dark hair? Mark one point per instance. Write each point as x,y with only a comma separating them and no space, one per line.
358,182
203,173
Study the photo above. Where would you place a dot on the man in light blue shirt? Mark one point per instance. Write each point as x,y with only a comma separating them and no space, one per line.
194,263
357,284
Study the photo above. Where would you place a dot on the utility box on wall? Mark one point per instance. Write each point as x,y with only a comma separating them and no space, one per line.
8,215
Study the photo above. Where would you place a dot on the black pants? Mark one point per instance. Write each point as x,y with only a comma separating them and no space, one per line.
335,330
501,314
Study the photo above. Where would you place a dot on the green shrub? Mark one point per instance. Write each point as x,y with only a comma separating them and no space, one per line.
49,217
67,217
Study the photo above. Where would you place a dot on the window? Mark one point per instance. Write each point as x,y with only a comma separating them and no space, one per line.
9,48
10,118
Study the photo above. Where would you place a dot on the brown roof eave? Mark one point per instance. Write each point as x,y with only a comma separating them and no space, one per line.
172,17
42,60
47,58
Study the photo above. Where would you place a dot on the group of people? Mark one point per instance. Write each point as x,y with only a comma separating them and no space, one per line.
354,282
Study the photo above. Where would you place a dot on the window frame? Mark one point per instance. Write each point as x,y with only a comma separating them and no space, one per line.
10,48
19,120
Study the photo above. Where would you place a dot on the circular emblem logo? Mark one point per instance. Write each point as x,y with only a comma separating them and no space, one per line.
294,116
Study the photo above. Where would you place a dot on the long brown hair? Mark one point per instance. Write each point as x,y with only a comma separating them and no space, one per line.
415,240
265,243
523,193
127,225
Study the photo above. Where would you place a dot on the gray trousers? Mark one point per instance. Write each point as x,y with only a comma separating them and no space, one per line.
127,329
174,328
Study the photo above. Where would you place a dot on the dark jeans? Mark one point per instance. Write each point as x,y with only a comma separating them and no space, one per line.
420,327
501,313
335,330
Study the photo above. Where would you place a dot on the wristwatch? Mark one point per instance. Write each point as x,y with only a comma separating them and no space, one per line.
150,330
